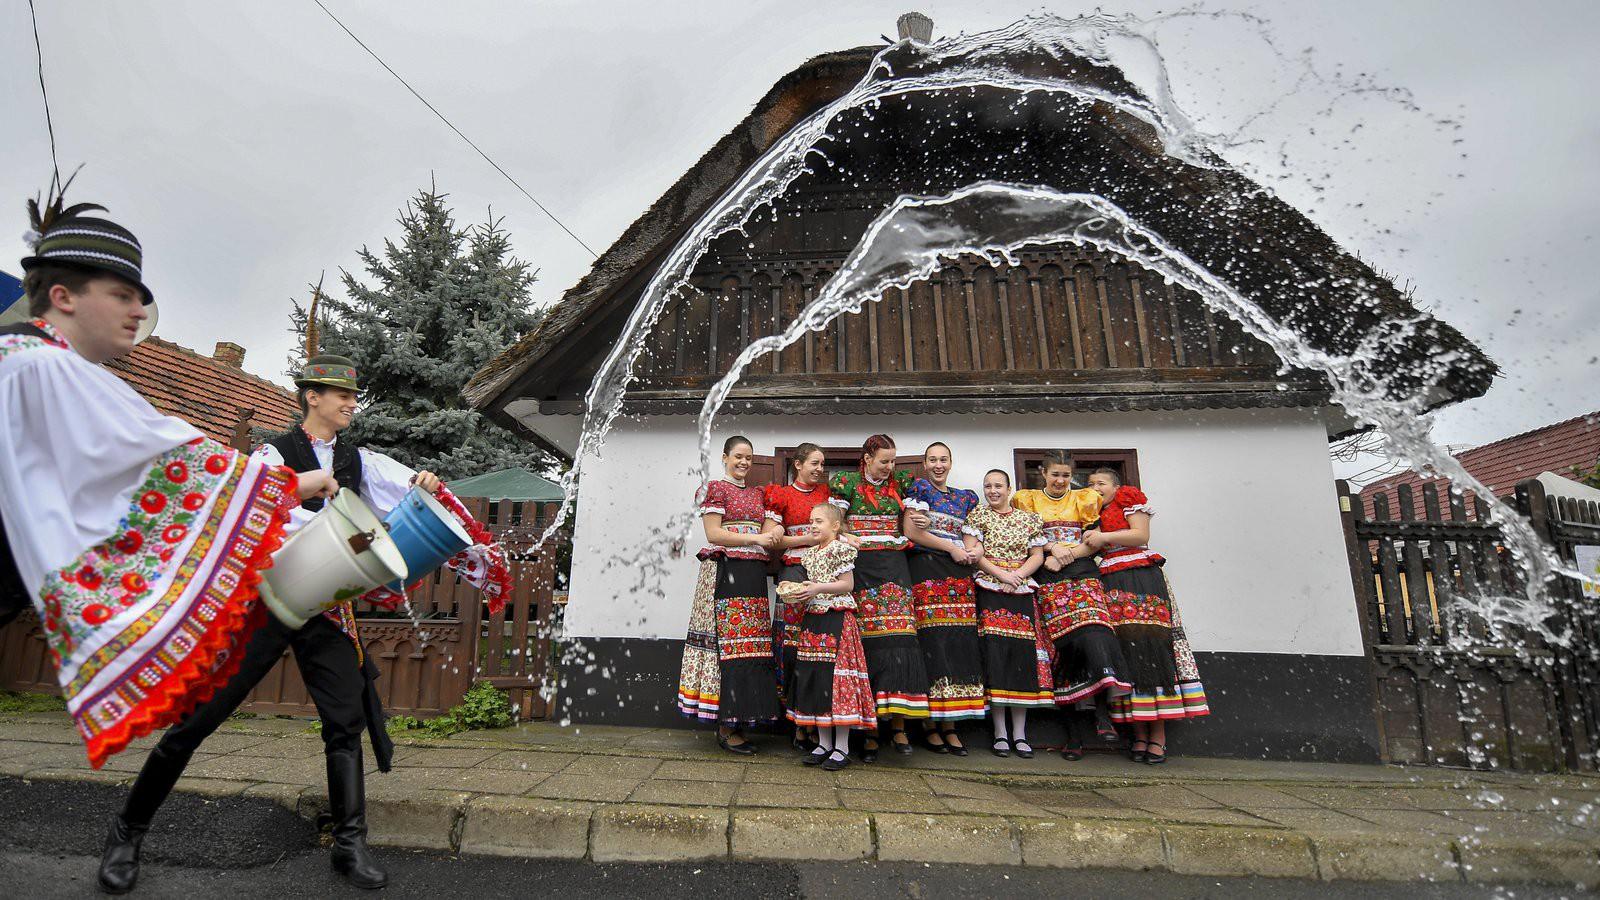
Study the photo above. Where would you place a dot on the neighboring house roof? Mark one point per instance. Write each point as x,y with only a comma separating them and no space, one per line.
206,392
508,484
1560,448
1268,249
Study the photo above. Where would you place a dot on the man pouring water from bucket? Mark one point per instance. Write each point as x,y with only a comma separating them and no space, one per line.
340,550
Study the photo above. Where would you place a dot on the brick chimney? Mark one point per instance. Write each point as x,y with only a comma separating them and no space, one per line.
229,354
916,26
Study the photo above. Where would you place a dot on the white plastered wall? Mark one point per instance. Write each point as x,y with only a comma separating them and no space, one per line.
1245,513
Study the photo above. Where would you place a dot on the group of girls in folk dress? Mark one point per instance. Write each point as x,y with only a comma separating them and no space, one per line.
904,597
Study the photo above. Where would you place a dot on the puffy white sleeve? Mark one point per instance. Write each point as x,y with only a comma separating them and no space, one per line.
75,440
384,481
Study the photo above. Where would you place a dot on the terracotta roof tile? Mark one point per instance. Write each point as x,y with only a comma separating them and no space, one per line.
1559,448
202,391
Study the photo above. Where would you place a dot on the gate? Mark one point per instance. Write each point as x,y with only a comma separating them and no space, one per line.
427,664
1445,693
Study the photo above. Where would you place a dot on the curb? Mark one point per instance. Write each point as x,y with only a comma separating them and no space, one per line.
501,825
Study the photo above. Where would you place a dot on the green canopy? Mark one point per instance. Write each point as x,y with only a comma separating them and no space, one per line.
508,484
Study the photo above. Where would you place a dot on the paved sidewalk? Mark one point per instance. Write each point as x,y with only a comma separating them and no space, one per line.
609,793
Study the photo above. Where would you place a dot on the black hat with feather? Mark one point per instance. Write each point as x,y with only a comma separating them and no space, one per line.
65,236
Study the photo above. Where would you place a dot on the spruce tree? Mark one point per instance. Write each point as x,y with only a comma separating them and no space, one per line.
431,310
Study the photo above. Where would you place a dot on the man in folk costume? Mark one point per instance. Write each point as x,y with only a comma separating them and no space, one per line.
328,652
337,673
139,542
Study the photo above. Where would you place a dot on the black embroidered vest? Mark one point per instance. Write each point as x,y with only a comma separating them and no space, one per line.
295,448
13,594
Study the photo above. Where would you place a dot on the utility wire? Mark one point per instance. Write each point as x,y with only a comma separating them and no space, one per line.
55,166
442,118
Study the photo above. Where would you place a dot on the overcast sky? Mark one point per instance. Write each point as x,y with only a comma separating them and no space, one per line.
252,146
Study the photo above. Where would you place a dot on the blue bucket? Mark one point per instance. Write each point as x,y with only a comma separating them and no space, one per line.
426,533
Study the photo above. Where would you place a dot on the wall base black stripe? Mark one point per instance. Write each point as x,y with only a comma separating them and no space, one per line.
1263,705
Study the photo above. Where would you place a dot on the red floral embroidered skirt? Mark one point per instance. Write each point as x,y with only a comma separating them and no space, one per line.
947,630
1016,658
831,687
1073,613
1166,683
728,674
889,634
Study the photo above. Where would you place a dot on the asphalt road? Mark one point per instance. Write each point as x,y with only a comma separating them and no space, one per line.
52,832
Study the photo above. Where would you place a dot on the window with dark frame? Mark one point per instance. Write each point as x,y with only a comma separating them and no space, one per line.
1028,465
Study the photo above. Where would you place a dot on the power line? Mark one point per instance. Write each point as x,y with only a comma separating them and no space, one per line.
446,121
49,125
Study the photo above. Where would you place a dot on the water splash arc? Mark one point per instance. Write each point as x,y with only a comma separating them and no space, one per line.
910,240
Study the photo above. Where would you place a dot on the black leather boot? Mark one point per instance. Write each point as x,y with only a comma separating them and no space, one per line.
347,801
119,864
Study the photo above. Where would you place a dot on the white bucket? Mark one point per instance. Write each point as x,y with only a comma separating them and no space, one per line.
339,555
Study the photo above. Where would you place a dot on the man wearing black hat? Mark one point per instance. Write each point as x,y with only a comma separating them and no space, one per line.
137,540
328,651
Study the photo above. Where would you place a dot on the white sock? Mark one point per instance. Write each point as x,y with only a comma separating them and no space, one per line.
1019,723
825,738
997,717
841,738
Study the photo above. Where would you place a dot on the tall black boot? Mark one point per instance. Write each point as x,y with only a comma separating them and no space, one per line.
119,864
347,801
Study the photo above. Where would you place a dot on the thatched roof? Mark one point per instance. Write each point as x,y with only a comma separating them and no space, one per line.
1217,216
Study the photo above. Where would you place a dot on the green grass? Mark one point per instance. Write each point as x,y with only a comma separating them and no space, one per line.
13,702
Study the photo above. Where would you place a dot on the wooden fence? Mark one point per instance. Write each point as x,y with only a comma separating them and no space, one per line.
1454,682
427,662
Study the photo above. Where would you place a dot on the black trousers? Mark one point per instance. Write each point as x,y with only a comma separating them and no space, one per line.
328,665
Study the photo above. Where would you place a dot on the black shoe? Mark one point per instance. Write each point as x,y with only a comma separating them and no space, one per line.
802,744
869,754
347,802
119,864
902,747
1155,759
836,761
743,749
815,757
1071,753
949,741
1022,749
940,747
1136,754
1001,747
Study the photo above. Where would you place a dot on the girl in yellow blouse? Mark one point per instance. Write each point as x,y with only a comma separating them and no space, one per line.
1072,601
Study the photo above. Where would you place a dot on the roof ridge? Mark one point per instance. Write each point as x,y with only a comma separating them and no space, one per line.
217,364
1593,417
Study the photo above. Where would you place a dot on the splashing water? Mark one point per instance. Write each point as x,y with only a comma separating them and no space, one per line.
912,239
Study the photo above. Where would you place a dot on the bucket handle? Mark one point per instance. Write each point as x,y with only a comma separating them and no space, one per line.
361,541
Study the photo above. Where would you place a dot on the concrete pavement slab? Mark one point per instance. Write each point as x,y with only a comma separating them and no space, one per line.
598,788
1079,844
671,792
801,835
1201,850
524,826
975,840
640,833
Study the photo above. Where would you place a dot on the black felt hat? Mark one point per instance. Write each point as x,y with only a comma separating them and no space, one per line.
65,236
